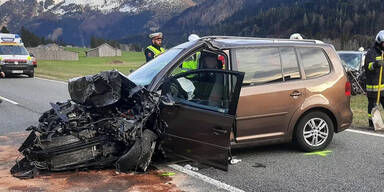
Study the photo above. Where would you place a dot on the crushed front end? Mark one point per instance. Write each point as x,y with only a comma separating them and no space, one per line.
109,122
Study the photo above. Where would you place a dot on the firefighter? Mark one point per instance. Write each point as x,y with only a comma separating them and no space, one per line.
373,62
155,49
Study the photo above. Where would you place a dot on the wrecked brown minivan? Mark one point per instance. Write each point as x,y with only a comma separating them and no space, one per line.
292,91
197,100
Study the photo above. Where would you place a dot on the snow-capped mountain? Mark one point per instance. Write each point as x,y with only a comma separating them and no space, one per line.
62,7
80,19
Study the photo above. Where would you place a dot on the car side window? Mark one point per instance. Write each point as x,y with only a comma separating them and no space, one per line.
261,65
314,61
208,90
190,63
291,70
200,60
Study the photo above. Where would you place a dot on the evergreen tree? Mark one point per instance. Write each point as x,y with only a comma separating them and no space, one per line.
4,30
29,39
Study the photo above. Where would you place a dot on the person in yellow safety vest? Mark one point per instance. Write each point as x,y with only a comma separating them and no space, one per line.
372,65
191,63
155,49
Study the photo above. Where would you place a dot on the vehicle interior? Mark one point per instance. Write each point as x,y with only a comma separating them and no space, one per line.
208,89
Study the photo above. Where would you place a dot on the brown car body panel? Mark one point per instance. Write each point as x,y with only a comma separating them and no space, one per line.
266,110
267,114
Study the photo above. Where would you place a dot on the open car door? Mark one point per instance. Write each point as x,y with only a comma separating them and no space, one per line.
200,112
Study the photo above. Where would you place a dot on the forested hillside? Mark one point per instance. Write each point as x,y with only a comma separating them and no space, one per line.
347,24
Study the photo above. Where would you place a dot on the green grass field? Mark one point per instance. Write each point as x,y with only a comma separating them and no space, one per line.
359,105
64,70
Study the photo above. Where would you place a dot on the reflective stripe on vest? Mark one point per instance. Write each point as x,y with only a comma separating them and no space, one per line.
156,51
370,66
379,58
374,88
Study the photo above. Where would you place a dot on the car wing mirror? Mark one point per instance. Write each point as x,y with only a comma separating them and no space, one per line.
167,100
166,97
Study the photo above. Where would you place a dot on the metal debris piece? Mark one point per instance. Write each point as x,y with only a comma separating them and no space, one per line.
189,167
235,161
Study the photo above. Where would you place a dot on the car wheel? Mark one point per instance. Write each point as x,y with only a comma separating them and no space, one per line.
31,75
314,131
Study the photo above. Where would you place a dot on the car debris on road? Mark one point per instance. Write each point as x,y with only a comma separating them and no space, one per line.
110,121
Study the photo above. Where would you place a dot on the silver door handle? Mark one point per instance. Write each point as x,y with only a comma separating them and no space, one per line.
219,131
296,94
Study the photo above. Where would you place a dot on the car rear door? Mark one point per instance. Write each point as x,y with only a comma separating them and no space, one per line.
272,91
200,114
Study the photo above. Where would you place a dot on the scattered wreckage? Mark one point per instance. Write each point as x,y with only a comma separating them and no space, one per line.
109,121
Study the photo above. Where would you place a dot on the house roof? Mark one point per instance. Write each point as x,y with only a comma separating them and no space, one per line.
101,46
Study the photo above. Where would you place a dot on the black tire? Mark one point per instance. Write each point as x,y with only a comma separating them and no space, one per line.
31,74
314,140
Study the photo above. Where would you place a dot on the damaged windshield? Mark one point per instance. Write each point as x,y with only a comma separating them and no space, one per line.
144,75
351,60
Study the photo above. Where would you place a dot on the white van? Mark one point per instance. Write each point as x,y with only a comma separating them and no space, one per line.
14,57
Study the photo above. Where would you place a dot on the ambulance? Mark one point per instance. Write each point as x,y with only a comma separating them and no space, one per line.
14,57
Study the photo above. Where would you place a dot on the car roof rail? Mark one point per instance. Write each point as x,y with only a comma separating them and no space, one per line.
275,40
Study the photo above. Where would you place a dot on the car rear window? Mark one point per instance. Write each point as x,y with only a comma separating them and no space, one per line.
291,68
314,61
261,65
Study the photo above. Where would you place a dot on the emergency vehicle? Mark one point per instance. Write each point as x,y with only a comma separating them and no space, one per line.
14,57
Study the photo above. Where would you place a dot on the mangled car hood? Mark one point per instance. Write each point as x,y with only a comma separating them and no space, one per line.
100,90
109,122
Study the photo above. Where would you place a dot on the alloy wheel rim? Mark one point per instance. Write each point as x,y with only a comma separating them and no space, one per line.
315,132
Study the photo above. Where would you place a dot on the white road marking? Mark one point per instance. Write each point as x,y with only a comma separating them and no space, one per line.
209,180
365,133
51,80
5,99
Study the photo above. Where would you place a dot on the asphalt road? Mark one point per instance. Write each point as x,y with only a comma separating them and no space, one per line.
32,96
355,161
